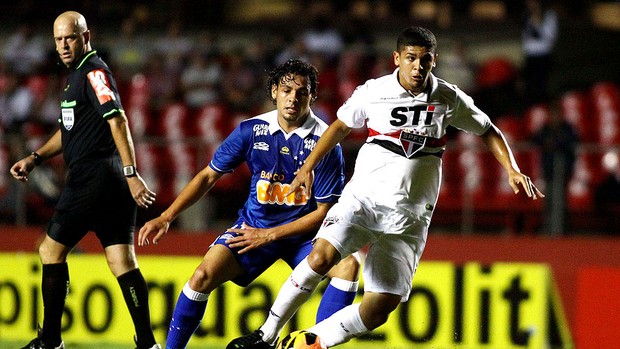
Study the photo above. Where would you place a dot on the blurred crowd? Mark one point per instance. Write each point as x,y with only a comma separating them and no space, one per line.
187,78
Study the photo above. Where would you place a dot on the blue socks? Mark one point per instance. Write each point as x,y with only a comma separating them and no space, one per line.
188,313
338,294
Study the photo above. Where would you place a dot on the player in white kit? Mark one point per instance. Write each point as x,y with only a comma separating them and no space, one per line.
389,201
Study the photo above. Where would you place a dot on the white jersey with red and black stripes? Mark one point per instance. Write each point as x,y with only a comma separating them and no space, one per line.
398,170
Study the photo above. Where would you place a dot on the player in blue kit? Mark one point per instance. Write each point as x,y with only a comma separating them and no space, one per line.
271,226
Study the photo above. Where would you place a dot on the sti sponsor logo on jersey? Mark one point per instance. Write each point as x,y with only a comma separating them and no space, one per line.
260,130
261,146
416,115
273,193
99,82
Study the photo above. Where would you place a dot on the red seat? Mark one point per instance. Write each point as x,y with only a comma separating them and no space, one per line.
495,72
606,101
512,128
4,167
173,121
138,108
473,165
37,84
535,118
149,165
586,176
138,92
139,121
576,109
212,124
451,191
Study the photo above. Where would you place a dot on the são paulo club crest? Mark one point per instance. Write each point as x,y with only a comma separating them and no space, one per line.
411,143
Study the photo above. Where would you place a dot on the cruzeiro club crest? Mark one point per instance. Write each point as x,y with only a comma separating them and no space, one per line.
411,143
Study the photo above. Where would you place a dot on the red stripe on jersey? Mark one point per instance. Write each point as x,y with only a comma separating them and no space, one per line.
430,142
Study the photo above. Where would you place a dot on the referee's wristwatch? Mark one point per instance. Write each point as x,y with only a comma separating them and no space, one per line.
130,171
37,158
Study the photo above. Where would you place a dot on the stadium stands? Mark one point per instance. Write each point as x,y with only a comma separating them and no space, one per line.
174,141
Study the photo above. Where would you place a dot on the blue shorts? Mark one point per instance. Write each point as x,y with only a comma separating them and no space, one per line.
255,262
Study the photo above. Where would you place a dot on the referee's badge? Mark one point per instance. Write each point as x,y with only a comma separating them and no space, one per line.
411,143
68,118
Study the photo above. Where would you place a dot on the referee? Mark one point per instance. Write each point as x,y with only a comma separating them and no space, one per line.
102,185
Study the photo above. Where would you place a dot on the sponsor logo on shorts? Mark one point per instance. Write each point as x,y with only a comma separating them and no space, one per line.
226,236
330,220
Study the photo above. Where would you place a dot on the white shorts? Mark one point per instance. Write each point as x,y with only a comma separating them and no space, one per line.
392,259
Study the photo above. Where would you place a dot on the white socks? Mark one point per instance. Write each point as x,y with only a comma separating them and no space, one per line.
340,327
295,291
344,285
194,295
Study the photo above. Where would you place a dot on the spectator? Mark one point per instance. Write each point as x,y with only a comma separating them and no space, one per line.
539,35
16,107
239,84
296,50
130,51
458,67
16,102
200,80
25,52
607,194
321,37
174,48
558,141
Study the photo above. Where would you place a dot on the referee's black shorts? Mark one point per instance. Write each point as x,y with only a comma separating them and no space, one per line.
96,198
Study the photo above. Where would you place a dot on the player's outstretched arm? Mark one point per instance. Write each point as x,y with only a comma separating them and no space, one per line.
250,238
193,191
497,144
334,134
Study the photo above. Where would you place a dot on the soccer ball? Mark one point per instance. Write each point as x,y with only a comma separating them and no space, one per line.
301,340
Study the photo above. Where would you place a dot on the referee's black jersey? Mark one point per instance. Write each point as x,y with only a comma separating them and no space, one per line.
90,96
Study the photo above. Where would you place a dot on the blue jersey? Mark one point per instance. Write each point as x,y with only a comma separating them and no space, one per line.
273,157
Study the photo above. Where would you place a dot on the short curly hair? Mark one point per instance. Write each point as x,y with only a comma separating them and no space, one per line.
290,68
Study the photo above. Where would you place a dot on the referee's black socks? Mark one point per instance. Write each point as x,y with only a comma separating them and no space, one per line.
54,289
136,296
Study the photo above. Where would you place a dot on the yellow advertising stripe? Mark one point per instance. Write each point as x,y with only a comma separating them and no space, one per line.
474,306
